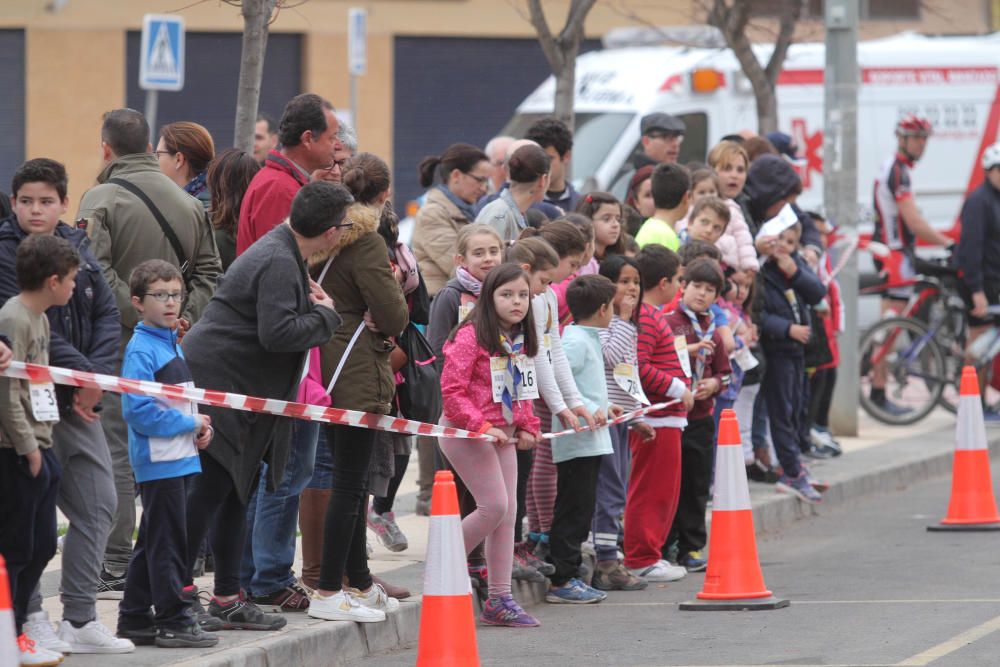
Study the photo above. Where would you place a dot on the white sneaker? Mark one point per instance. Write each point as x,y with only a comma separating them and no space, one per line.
376,598
93,638
34,655
659,571
342,606
39,628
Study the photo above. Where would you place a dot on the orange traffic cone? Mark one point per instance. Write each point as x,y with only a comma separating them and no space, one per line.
972,505
447,629
9,653
733,581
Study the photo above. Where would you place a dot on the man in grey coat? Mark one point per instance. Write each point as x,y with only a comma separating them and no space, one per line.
124,232
254,339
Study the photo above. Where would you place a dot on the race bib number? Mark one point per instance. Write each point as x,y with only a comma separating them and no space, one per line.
681,345
44,406
527,391
744,357
464,310
627,377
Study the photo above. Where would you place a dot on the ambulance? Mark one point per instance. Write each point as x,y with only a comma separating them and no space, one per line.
952,81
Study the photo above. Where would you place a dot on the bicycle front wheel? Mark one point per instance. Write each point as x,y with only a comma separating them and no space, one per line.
900,355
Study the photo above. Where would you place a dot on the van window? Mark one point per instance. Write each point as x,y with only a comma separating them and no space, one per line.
693,149
594,136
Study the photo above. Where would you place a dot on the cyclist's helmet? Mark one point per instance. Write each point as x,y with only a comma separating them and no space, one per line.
912,125
991,156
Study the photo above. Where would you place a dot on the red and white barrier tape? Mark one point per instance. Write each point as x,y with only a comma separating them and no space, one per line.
617,420
36,373
845,255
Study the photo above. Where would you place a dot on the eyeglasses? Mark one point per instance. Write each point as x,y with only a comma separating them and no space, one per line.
664,135
337,163
482,180
159,153
346,224
163,297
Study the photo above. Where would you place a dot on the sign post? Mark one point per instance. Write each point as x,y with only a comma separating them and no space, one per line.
357,53
161,60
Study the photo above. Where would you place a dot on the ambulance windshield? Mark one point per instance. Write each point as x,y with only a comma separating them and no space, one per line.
593,138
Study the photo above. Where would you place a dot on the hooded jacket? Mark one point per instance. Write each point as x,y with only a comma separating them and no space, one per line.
769,179
434,239
123,233
785,301
360,280
85,332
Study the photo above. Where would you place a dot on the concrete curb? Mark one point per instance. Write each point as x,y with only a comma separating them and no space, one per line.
323,644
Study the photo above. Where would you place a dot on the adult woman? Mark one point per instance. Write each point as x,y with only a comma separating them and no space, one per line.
227,179
731,163
184,151
462,173
357,275
529,179
253,339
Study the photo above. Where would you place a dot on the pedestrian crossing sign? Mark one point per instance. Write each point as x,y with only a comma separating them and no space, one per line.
161,64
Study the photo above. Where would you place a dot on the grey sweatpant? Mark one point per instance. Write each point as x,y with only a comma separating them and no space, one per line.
87,499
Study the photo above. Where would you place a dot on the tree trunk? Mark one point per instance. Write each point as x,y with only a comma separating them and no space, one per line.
256,15
565,92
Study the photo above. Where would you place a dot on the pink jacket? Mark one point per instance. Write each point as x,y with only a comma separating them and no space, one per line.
467,388
736,244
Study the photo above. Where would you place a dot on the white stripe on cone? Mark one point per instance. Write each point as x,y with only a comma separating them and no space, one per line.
446,569
9,653
731,489
970,432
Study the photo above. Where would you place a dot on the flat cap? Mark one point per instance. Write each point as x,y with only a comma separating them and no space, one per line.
659,121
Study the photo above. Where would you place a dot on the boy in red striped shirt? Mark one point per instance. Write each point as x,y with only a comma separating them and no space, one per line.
654,484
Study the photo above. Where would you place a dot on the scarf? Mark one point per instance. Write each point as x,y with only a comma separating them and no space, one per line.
465,208
702,335
196,185
469,282
512,378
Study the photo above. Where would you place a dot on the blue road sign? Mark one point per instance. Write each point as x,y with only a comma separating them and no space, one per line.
162,52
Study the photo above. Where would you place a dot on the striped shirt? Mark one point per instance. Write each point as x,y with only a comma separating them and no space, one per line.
619,343
660,369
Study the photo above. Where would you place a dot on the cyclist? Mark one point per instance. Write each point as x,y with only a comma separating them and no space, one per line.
979,246
899,224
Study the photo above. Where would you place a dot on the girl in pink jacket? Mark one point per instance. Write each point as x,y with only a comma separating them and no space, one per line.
488,383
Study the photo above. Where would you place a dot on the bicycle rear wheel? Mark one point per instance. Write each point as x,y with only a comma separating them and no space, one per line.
901,353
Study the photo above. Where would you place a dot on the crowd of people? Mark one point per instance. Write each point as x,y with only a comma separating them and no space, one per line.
523,307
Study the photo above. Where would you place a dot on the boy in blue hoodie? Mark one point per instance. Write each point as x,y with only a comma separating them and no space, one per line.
164,437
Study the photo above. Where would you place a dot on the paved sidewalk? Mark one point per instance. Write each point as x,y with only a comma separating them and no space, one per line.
884,458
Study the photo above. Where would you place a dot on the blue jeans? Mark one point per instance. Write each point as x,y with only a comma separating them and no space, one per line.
273,516
322,477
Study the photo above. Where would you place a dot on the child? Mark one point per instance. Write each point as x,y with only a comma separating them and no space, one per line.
578,456
709,365
709,218
605,212
84,335
671,184
487,386
788,289
621,376
570,246
164,437
704,183
29,470
654,484
479,249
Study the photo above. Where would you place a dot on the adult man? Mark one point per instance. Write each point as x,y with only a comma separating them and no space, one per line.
345,146
662,135
265,137
556,140
307,132
898,224
497,150
137,213
979,240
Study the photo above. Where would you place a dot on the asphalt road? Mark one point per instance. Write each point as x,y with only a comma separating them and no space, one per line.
867,584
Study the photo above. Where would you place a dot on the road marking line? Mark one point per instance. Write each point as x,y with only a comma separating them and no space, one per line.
807,602
955,643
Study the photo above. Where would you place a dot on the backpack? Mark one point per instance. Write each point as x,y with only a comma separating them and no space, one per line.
418,395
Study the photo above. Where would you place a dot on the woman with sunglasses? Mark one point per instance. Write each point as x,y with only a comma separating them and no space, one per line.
184,151
461,175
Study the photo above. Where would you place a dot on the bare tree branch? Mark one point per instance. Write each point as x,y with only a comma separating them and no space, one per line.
545,38
790,13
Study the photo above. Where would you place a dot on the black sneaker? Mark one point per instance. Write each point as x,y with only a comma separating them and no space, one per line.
138,636
207,622
187,636
888,407
758,472
241,614
110,586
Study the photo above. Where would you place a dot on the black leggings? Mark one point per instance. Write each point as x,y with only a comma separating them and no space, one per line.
344,531
212,502
525,457
383,504
821,396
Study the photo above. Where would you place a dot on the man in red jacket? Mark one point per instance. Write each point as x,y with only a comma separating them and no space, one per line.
307,132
